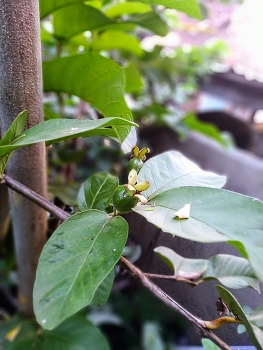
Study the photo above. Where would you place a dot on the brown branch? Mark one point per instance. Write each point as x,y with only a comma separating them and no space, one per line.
199,324
175,278
36,198
166,299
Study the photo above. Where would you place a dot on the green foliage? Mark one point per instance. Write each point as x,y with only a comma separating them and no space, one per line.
74,262
96,191
232,271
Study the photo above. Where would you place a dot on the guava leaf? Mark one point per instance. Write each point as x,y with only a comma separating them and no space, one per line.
232,271
11,135
95,79
96,192
55,130
216,216
255,333
74,262
172,170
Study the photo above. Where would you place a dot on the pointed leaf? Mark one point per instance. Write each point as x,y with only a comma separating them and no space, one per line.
255,333
96,192
232,271
56,130
74,262
10,136
74,333
216,216
172,170
15,129
93,78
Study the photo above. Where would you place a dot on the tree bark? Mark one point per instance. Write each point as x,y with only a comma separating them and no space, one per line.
21,88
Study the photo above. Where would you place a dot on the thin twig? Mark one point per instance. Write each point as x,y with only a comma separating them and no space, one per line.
159,293
36,198
172,278
166,299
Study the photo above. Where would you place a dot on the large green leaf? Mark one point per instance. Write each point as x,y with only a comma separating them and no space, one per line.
74,262
87,18
76,333
47,7
83,18
215,216
115,39
172,170
96,192
190,7
56,130
255,333
232,271
125,8
95,79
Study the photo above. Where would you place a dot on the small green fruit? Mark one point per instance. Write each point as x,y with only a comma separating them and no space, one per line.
123,199
135,163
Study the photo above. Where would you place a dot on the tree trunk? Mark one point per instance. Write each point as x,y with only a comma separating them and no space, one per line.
21,88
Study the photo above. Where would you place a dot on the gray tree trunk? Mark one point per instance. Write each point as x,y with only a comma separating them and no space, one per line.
21,88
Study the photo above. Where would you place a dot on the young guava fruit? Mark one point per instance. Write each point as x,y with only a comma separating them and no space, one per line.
135,163
123,199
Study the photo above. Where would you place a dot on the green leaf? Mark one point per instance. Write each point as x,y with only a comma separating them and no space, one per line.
232,271
190,7
209,345
126,8
47,7
215,216
15,129
205,128
83,18
152,21
256,317
255,333
114,39
133,79
11,135
95,79
103,292
96,192
73,334
74,262
56,130
172,170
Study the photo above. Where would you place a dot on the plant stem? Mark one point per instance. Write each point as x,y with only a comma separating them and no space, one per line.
36,198
166,299
135,271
